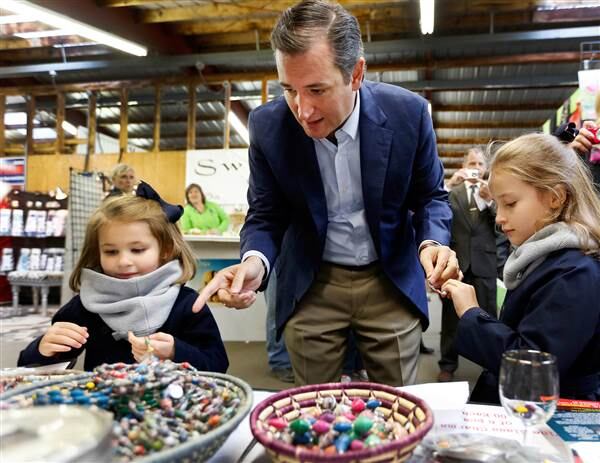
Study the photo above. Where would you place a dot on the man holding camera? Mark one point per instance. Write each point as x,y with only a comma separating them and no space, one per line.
474,241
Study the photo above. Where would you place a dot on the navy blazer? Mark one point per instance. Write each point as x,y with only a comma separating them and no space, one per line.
197,337
401,174
555,309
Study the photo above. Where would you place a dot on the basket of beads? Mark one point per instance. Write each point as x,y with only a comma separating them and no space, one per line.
342,423
163,411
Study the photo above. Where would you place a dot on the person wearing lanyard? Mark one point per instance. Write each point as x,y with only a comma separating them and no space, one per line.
346,196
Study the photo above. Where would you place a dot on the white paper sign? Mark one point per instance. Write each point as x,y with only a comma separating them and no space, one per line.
222,174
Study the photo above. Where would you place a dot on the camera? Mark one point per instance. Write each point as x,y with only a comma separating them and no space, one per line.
472,173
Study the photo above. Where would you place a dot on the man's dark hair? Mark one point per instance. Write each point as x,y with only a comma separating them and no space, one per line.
300,25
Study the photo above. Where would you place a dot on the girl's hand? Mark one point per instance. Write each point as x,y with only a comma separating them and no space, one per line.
161,345
62,337
463,296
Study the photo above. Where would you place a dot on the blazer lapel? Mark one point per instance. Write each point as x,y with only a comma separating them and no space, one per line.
309,177
375,148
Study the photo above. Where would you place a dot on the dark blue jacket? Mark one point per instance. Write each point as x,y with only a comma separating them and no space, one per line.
197,337
401,173
555,309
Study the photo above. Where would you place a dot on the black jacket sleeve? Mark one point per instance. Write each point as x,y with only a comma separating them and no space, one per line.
197,337
72,312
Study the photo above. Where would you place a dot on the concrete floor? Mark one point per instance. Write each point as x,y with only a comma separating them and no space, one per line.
248,360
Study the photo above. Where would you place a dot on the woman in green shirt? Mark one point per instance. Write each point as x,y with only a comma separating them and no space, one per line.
201,216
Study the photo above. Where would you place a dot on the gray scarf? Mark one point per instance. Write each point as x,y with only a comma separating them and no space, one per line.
527,257
140,304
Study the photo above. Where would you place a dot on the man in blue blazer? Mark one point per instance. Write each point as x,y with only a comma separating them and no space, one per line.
346,196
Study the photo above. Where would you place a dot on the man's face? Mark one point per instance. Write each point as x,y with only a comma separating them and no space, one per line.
476,160
315,90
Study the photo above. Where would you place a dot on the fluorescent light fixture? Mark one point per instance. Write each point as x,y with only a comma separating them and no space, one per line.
427,14
42,34
60,21
18,118
70,128
239,127
17,18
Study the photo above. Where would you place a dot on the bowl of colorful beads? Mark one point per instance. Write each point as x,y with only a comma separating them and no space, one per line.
163,411
342,423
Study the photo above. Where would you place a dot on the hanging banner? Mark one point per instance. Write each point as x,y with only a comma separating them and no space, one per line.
589,85
222,174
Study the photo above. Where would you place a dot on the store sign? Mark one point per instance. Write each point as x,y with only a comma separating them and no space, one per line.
222,174
589,86
12,172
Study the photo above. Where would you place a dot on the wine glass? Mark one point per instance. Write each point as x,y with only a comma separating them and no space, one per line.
529,386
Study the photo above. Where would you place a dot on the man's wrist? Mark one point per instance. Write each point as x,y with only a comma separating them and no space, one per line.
427,244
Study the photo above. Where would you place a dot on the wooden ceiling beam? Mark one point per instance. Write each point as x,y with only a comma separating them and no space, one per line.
213,10
495,107
163,118
466,141
489,124
123,22
452,154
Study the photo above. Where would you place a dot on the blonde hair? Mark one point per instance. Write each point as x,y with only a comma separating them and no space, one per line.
119,169
543,162
134,209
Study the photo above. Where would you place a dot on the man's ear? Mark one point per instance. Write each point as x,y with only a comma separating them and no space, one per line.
358,73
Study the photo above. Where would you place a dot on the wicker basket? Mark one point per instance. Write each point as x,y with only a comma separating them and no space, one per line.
410,411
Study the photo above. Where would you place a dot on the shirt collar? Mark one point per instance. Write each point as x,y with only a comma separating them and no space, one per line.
350,127
468,186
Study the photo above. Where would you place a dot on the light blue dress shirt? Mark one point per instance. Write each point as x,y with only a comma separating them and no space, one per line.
348,239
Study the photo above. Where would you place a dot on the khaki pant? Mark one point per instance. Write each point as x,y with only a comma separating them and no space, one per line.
387,329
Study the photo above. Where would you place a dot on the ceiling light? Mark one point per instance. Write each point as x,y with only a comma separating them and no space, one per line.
60,21
42,34
427,15
17,18
17,118
239,127
70,128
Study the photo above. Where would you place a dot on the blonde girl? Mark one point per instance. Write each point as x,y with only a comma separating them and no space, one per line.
547,207
132,299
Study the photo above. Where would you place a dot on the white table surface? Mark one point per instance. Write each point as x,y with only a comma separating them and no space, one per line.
448,402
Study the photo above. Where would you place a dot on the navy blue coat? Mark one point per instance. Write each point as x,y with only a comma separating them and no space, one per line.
555,309
197,337
401,173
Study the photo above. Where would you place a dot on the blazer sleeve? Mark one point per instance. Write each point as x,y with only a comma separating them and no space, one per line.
561,318
268,213
72,312
198,340
428,198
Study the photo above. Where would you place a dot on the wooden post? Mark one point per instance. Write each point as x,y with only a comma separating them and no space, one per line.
191,122
264,91
60,118
2,128
227,131
91,141
156,146
123,128
30,116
